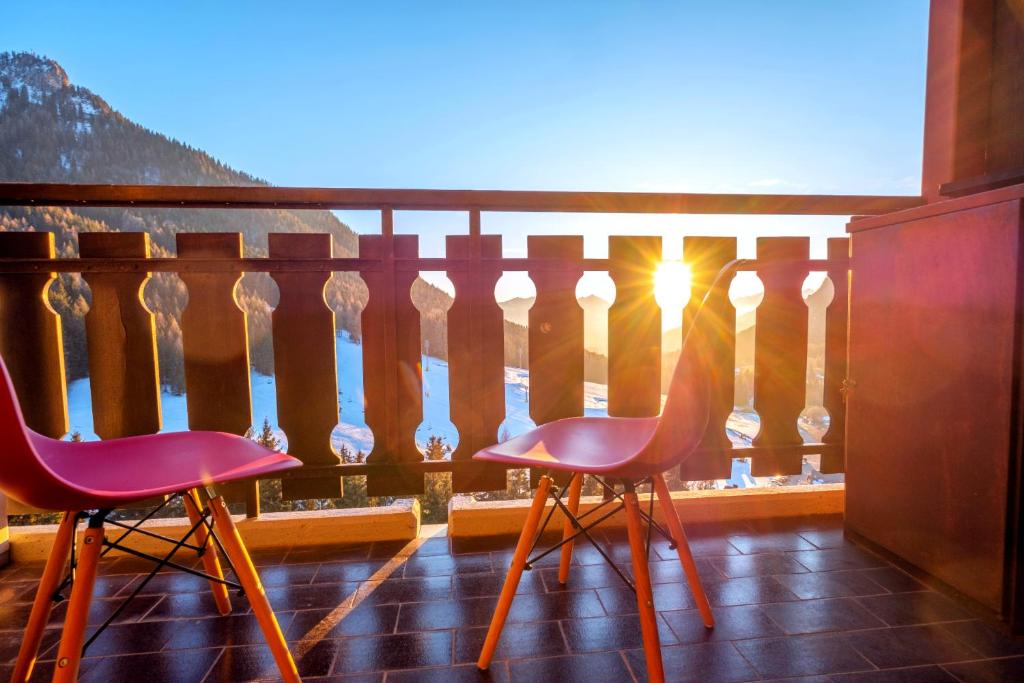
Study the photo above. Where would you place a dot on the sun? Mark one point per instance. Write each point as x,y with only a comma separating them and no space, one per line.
672,285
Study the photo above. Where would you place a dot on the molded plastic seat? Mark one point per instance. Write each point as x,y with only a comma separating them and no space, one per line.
625,447
600,445
88,480
633,450
66,475
108,474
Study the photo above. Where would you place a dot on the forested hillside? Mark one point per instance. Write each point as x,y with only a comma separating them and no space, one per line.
54,131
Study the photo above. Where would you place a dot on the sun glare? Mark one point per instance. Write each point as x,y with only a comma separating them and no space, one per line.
672,285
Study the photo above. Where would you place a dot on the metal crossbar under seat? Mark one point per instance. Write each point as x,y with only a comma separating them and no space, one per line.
611,495
97,518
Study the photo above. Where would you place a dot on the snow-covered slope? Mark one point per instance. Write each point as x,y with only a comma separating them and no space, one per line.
353,434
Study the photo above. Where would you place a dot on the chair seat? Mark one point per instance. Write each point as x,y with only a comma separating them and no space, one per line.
111,473
597,445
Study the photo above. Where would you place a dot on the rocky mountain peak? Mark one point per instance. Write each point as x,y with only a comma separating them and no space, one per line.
37,74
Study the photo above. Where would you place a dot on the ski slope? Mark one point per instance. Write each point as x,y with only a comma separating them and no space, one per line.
353,434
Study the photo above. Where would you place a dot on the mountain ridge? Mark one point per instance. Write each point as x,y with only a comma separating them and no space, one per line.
54,131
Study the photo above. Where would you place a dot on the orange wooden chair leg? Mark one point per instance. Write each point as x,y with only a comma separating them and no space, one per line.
575,488
69,654
644,595
53,573
211,563
234,547
683,549
508,591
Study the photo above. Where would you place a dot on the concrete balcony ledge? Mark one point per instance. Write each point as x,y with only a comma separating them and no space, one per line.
468,517
399,521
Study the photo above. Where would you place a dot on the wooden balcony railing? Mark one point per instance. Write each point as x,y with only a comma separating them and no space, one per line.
121,335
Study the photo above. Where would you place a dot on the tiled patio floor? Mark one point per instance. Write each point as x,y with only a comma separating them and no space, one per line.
792,601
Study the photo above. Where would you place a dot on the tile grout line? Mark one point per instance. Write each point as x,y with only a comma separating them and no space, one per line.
753,668
625,662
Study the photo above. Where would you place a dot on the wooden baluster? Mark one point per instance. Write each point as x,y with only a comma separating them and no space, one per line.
835,355
634,328
121,334
30,336
216,346
31,345
556,332
476,359
780,355
706,256
393,384
305,364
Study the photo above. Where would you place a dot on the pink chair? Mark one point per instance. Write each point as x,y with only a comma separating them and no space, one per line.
87,481
632,451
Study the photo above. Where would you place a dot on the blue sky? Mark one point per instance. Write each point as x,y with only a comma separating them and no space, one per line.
815,97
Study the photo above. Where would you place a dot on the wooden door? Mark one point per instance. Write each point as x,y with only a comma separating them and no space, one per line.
933,313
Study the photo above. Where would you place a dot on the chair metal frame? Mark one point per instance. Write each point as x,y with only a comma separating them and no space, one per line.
72,567
574,528
646,465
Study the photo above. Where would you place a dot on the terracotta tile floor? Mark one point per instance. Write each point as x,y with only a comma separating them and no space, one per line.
793,601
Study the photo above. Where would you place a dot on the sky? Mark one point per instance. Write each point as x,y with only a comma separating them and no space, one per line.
819,97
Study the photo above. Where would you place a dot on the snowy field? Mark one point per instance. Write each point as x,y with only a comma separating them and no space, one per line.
353,433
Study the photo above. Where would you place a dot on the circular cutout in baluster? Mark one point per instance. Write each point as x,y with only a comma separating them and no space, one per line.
70,296
346,294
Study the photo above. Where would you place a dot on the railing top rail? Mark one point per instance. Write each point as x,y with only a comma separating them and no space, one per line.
322,265
261,197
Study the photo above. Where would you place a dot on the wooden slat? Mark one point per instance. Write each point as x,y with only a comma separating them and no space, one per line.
835,355
30,336
935,414
957,96
214,338
634,328
325,265
121,334
982,183
216,343
305,363
555,332
392,369
255,197
476,372
706,256
1005,148
456,466
780,353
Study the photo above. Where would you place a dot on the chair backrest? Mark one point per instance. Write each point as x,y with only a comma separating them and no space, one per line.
684,418
23,474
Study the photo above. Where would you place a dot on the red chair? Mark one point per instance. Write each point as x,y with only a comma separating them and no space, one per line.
632,451
88,481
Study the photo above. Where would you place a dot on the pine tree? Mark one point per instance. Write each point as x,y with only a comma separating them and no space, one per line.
436,448
266,437
437,486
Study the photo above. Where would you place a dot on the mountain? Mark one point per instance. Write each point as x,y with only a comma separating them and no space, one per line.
817,301
517,310
54,131
595,330
595,335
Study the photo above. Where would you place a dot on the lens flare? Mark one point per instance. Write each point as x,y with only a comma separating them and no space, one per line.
672,285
